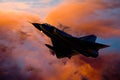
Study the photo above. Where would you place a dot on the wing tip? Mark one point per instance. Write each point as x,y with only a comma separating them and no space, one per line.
105,46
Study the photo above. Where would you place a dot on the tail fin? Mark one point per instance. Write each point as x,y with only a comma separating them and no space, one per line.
90,38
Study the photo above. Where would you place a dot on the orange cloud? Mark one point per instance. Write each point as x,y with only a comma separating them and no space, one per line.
86,18
30,6
15,17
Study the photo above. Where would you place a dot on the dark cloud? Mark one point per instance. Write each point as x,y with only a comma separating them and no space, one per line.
8,67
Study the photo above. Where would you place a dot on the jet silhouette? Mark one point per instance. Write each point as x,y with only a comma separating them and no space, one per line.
65,45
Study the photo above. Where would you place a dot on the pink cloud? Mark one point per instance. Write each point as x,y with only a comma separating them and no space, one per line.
14,6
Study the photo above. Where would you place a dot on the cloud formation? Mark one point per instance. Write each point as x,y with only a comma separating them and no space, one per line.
88,17
40,7
22,50
13,6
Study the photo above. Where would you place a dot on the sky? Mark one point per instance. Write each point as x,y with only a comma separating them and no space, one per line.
22,49
40,7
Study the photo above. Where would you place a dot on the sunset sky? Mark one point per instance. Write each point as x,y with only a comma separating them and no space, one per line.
22,49
40,7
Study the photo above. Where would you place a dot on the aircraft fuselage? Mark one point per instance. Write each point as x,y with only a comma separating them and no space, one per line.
66,45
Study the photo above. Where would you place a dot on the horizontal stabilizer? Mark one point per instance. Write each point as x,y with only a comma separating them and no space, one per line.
90,38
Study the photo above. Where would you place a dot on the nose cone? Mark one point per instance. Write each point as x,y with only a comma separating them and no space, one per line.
37,25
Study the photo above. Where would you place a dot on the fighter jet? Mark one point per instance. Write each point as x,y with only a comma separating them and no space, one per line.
66,45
